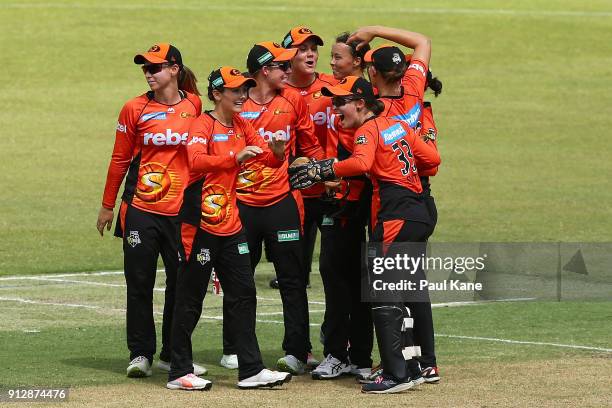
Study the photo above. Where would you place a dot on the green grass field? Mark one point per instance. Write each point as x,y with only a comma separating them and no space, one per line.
523,121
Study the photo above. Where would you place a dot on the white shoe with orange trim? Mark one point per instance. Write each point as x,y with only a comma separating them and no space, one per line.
189,382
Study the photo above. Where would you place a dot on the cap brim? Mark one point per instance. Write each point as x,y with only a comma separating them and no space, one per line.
148,57
334,91
318,40
368,55
286,55
239,82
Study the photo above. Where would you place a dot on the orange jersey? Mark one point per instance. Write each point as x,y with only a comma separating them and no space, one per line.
285,116
429,133
340,143
212,149
150,141
321,112
390,151
407,107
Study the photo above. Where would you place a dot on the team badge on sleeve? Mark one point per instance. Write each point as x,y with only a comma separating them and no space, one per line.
361,140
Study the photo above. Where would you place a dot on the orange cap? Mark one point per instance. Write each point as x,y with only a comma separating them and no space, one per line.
350,86
158,54
298,35
265,52
229,77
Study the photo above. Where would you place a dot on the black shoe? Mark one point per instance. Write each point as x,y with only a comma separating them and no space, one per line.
274,283
389,385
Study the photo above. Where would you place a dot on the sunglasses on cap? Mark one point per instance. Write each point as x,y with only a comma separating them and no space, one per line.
339,101
283,66
154,68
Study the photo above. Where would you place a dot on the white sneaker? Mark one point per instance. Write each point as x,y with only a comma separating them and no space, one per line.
139,367
229,361
360,373
291,364
265,378
189,382
197,369
329,368
311,361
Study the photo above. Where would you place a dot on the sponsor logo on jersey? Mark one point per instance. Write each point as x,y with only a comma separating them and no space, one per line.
282,134
220,137
171,110
121,128
317,95
418,67
393,134
321,118
279,111
243,248
185,115
250,115
361,140
169,138
411,117
153,116
197,139
133,239
290,235
203,256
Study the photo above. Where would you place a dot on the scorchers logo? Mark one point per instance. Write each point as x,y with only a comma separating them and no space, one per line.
215,204
154,182
249,180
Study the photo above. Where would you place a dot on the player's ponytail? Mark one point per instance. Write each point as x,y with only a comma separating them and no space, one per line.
434,84
375,106
187,81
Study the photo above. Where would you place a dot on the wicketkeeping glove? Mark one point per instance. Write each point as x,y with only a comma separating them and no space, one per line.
305,175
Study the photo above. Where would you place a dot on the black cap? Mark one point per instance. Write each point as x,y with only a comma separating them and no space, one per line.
385,58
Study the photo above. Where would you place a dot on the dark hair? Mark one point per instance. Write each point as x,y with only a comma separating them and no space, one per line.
355,53
395,74
375,106
187,81
210,92
434,84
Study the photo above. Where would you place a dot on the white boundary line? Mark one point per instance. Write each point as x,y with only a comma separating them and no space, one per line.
285,9
492,339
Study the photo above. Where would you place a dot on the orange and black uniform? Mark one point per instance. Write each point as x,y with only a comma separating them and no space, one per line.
321,112
269,211
390,152
348,320
150,146
212,237
410,108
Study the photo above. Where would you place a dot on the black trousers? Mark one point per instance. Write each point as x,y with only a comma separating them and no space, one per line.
389,317
145,237
279,226
230,257
348,331
423,324
314,211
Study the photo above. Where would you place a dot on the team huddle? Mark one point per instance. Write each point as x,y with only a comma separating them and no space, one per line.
286,152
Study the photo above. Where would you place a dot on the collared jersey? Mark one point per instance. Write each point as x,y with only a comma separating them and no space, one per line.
210,200
389,151
407,107
322,113
150,146
285,116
